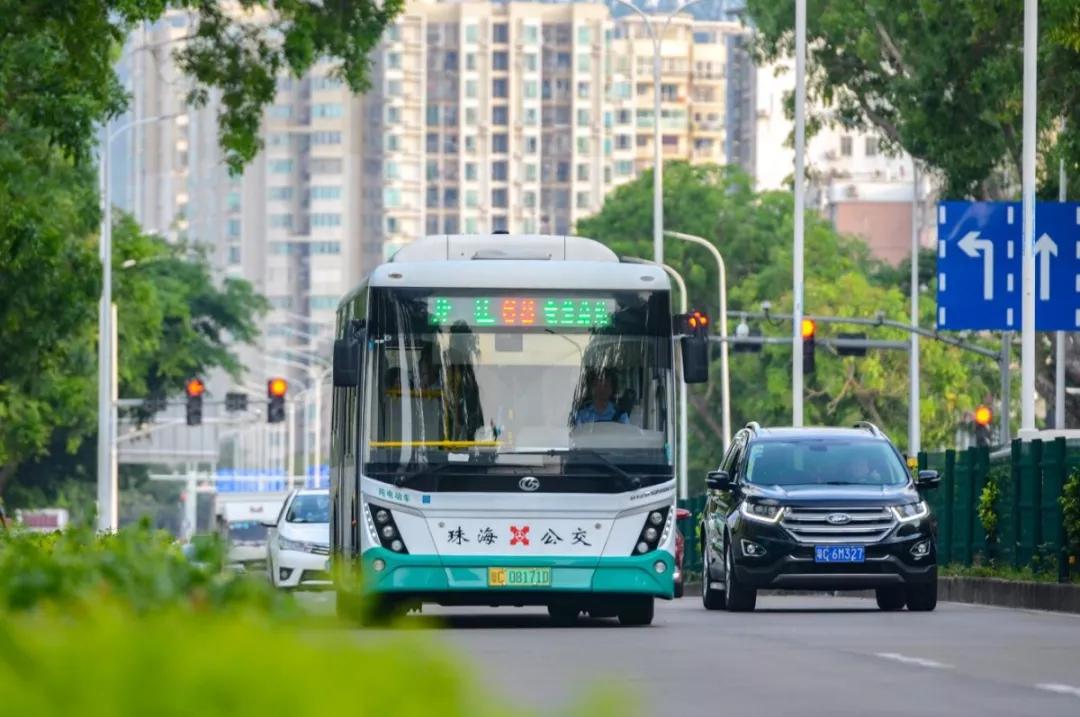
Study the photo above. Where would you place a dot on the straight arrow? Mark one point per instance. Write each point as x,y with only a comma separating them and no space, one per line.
1044,249
971,244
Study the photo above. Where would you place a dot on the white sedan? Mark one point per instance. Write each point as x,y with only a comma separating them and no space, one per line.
298,544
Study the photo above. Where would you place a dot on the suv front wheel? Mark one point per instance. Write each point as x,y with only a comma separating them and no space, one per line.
922,597
737,597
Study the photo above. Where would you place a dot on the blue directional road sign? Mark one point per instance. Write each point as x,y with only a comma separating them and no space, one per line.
980,248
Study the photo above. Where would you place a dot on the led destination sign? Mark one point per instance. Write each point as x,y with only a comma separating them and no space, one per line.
520,311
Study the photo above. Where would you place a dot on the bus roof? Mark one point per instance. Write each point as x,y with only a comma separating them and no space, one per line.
515,262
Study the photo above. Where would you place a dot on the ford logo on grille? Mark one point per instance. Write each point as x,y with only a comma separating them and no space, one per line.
529,483
838,519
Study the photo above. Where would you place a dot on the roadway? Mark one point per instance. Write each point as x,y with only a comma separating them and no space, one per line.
796,654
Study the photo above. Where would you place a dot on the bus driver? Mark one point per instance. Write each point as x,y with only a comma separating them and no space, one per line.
602,389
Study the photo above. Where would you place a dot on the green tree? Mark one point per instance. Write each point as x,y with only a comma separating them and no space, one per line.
57,85
753,232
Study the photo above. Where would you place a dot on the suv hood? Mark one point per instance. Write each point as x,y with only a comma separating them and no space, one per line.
834,495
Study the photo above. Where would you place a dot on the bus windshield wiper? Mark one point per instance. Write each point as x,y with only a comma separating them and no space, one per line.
403,478
629,480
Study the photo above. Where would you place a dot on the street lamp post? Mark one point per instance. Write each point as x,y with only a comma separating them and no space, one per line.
106,468
658,161
725,376
800,208
1027,323
684,484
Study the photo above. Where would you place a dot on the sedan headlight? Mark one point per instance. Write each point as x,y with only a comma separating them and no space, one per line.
296,545
761,512
911,512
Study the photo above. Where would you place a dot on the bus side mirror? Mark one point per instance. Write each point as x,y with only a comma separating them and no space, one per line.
695,359
347,361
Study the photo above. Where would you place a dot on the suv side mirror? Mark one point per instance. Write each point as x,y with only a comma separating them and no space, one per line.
718,480
268,524
928,479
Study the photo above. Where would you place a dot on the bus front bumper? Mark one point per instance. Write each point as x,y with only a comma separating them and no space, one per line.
467,576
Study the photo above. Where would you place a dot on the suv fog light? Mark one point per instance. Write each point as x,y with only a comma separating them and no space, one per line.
643,547
751,549
378,564
660,567
284,573
921,549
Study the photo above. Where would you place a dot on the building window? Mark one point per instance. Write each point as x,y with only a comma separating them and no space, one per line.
432,225
583,90
530,172
325,247
671,140
450,225
326,220
500,143
500,88
531,89
281,221
284,193
500,198
871,146
472,33
470,172
529,200
531,33
470,226
281,302
532,117
391,225
499,223
471,88
328,192
500,33
281,166
432,142
500,171
390,170
433,115
450,197
500,60
624,168
234,255
281,247
584,35
326,137
281,111
393,88
500,115
532,145
470,61
470,144
530,62
232,200
232,228
331,83
432,197
584,63
583,118
325,165
583,172
582,200
845,146
391,197
322,303
391,143
472,198
327,110
623,117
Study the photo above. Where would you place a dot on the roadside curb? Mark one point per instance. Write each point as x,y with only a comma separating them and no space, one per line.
1054,597
1010,593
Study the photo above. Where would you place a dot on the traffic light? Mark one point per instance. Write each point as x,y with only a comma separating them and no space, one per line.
275,391
983,418
809,328
195,389
694,323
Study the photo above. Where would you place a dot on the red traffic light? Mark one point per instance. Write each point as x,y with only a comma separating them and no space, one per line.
808,328
194,387
983,416
276,387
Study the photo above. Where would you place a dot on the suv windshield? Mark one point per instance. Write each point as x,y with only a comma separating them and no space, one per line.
825,462
312,508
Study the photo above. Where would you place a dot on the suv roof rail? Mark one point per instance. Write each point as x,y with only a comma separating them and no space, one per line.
754,426
867,425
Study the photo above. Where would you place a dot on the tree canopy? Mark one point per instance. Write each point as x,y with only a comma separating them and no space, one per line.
753,233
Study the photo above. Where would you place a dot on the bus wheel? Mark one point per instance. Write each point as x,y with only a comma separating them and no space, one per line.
563,615
637,611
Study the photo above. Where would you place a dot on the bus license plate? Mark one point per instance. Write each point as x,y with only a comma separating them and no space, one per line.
519,577
839,553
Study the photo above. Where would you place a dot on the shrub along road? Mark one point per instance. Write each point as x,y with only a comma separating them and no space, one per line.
817,655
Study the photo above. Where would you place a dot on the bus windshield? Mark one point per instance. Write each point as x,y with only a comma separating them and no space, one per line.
528,379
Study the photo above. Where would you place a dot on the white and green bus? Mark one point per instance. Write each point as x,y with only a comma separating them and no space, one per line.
504,427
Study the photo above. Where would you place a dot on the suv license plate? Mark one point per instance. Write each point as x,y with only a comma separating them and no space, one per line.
519,577
839,553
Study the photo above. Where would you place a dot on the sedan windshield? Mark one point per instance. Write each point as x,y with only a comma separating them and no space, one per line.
825,462
312,508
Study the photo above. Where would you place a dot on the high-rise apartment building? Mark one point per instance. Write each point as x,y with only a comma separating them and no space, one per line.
486,117
692,92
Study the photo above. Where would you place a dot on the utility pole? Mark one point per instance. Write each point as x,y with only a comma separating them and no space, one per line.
914,426
1059,337
800,209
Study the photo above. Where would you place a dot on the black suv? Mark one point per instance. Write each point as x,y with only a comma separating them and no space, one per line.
817,509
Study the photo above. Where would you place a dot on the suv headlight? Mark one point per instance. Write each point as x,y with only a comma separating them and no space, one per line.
911,512
761,512
297,545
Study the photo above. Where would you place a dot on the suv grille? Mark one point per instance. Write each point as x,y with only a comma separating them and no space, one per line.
865,525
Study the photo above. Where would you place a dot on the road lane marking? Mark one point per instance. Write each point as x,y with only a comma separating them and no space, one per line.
1060,689
920,661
